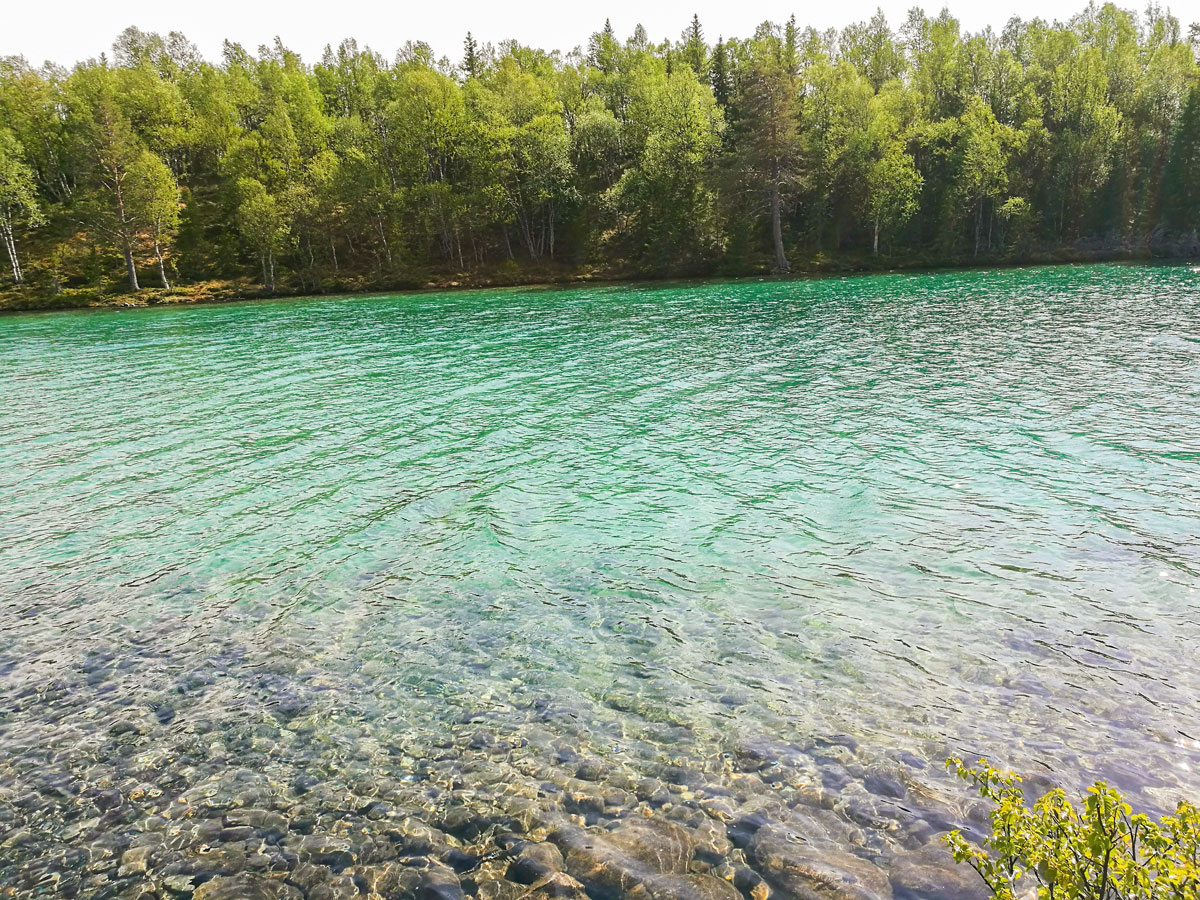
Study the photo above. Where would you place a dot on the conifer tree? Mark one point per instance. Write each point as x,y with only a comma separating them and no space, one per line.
791,47
1181,184
695,51
720,73
770,140
470,57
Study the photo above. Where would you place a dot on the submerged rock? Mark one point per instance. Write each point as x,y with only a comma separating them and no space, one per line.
337,853
750,883
640,857
387,880
930,873
246,887
815,870
660,845
693,887
339,887
533,861
440,884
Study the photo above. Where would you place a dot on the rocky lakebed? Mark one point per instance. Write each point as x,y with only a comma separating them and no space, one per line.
244,776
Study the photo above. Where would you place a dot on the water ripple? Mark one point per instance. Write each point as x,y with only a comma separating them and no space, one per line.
937,513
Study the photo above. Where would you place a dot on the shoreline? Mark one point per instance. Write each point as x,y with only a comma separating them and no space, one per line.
239,290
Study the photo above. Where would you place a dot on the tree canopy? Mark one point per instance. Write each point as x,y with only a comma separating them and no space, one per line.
922,142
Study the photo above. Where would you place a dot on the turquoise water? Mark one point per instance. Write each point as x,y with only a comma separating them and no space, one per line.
751,540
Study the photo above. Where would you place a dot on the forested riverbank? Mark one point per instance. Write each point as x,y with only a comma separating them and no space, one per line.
153,175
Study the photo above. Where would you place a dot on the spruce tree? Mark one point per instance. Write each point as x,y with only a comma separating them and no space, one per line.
1181,189
695,51
791,47
720,73
602,49
471,57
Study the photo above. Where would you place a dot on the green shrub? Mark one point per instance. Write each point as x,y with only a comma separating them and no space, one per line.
1099,850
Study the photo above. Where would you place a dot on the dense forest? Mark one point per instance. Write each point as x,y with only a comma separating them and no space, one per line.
153,169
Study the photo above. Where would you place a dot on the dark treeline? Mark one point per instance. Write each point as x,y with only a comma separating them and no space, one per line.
790,148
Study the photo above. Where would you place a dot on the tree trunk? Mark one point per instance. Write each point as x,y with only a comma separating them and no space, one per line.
131,269
387,250
312,266
527,233
10,245
781,264
875,242
978,221
162,268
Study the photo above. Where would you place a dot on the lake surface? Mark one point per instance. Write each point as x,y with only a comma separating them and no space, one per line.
699,583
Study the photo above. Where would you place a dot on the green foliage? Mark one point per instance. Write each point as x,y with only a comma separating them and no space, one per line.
17,187
1096,850
261,220
893,184
17,200
1180,181
634,157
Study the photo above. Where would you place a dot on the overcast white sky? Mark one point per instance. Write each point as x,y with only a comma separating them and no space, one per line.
69,30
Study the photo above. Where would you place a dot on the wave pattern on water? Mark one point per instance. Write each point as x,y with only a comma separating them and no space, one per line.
344,595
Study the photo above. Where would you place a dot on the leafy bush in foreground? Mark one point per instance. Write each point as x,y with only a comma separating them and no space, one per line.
1100,850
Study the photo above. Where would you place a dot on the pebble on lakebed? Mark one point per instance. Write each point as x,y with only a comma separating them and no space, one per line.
277,787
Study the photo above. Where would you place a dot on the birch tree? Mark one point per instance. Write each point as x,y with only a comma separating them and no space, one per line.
108,138
18,200
893,184
154,205
261,221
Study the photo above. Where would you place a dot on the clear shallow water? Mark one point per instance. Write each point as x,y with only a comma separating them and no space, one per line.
780,548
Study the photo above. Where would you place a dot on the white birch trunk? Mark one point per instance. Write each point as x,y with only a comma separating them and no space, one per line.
162,268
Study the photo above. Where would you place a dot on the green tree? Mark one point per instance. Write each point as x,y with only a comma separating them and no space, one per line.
153,199
107,137
262,224
983,150
665,203
18,202
768,132
871,48
720,75
892,180
1181,186
471,61
603,49
694,50
893,184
